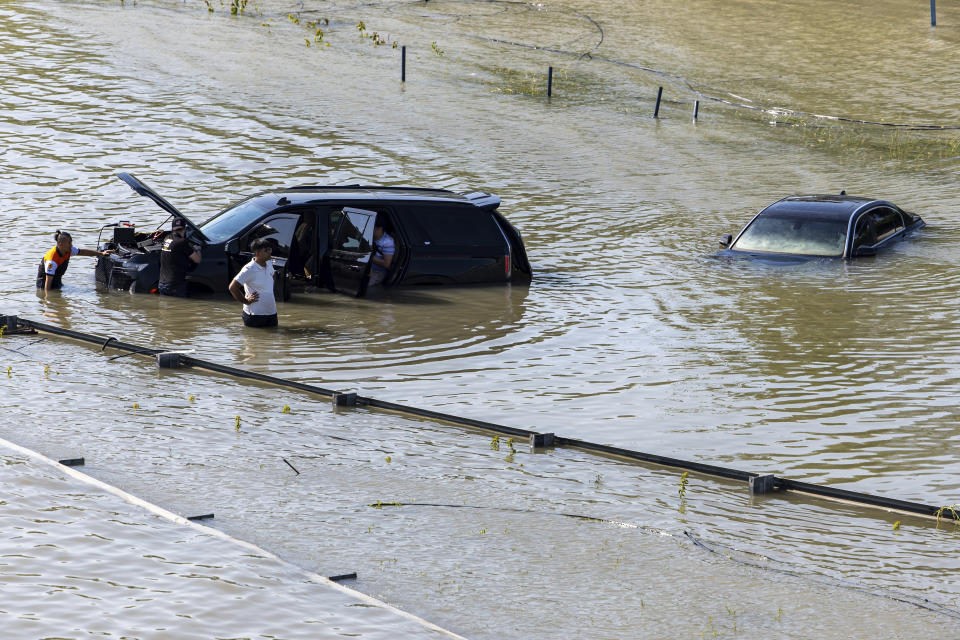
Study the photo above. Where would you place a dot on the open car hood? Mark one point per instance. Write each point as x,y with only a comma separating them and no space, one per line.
146,191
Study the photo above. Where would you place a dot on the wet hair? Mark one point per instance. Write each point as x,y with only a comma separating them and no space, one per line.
61,234
383,221
261,243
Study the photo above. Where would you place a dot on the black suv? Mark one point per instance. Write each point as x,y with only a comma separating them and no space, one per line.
323,236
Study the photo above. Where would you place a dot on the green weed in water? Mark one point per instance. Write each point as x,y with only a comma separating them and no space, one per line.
236,424
869,143
286,409
494,442
436,49
684,481
943,512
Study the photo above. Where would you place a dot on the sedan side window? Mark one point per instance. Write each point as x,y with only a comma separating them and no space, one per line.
279,229
887,221
865,233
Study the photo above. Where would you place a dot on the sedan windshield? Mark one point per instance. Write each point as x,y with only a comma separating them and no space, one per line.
232,220
794,234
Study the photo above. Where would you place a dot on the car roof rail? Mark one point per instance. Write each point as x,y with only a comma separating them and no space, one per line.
483,200
323,186
364,186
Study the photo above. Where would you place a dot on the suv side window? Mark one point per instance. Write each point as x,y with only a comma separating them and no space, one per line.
278,228
452,225
352,233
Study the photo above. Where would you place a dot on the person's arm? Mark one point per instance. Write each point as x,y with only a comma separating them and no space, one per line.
386,260
93,253
236,290
195,256
48,282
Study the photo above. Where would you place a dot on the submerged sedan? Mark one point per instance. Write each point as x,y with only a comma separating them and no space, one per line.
826,226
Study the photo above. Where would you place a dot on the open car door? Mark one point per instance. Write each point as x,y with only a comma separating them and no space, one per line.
352,251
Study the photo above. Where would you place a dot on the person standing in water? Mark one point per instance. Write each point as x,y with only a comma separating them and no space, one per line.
55,261
253,286
176,257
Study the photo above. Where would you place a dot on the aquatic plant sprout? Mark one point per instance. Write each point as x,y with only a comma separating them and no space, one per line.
794,234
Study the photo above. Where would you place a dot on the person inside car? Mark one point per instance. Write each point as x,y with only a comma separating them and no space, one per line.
55,261
383,250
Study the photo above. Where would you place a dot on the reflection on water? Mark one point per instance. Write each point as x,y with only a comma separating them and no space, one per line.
630,333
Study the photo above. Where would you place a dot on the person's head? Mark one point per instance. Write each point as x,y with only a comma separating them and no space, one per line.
64,241
379,226
178,226
262,249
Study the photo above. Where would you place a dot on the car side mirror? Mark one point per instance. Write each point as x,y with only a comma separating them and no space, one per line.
232,246
726,240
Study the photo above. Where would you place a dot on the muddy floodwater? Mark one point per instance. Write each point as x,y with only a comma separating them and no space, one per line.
631,332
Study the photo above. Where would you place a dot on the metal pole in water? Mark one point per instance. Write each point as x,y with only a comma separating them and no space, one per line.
696,109
656,109
933,13
550,80
403,63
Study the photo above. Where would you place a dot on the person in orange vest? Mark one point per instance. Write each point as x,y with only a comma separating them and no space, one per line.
54,262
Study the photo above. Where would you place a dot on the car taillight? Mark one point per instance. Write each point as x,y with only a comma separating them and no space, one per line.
506,265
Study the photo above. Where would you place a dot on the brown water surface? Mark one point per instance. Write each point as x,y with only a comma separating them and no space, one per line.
632,332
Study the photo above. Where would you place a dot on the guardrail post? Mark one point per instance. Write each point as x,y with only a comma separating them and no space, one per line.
656,108
541,440
169,360
345,399
760,485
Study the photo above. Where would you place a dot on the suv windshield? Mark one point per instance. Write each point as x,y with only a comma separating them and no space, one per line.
796,234
232,220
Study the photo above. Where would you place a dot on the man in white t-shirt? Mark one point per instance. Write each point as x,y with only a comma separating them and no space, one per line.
383,250
253,286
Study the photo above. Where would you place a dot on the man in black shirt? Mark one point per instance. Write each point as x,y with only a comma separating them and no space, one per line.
175,258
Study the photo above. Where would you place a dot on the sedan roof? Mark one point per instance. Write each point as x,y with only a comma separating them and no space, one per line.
821,206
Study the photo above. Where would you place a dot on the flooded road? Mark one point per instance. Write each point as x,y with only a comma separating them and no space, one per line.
631,333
